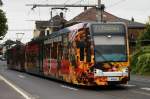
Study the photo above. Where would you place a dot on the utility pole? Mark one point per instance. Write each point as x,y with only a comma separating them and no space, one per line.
99,14
100,10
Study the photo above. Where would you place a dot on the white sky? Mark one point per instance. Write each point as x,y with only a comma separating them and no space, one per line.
19,15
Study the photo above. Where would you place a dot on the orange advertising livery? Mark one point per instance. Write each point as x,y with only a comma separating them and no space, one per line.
83,54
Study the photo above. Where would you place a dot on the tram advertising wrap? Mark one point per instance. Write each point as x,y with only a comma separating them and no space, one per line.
83,54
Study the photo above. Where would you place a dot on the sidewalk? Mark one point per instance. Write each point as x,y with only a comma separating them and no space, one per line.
139,78
6,92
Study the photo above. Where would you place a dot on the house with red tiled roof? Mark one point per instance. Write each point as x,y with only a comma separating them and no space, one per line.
134,28
58,22
55,23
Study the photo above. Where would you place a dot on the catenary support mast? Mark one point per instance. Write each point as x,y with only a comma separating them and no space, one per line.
99,6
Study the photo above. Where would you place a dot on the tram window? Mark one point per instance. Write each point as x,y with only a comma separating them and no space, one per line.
47,32
65,47
47,51
54,51
84,44
88,46
59,51
88,51
81,46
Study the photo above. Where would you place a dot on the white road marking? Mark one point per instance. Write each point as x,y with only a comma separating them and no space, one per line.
35,97
0,79
128,85
139,92
71,88
146,88
21,76
19,90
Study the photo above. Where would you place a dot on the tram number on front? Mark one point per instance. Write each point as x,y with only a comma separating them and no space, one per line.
113,78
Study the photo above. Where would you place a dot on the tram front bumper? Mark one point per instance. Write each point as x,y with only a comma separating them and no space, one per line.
106,78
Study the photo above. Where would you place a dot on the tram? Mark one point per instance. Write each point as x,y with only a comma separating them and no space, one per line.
16,57
83,54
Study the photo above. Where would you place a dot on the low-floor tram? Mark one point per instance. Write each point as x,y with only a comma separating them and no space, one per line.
83,54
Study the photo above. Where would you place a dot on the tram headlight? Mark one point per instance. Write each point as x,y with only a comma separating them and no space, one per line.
125,69
98,72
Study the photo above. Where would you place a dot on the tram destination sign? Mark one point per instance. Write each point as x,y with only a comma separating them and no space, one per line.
107,28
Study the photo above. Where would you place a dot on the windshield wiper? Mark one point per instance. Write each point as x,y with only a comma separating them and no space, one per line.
105,60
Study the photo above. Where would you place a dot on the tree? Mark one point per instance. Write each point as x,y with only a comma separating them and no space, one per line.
3,23
144,38
140,60
1,3
146,34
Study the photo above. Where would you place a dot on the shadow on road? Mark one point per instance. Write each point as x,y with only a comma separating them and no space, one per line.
96,88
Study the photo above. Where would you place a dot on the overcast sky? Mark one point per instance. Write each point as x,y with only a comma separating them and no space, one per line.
21,17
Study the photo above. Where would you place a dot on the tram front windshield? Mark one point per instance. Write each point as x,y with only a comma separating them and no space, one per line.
110,45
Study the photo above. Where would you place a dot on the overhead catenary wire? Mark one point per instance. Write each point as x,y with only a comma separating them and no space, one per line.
115,4
79,1
66,1
20,30
78,4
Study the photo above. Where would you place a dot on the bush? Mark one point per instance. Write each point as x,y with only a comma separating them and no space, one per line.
140,61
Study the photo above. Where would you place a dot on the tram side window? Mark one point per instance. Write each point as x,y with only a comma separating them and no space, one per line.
54,50
88,46
65,46
59,51
84,44
47,51
81,46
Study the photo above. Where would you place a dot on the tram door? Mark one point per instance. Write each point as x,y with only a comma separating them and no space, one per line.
41,56
84,45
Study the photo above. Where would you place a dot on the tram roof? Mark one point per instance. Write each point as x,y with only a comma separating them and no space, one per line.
73,28
68,29
77,27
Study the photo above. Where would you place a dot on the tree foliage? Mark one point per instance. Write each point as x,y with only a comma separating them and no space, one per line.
3,23
144,38
146,34
140,60
1,3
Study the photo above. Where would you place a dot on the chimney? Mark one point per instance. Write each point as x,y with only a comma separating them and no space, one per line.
85,8
132,19
61,15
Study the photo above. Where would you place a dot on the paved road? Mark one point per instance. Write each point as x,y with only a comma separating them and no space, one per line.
39,88
7,92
